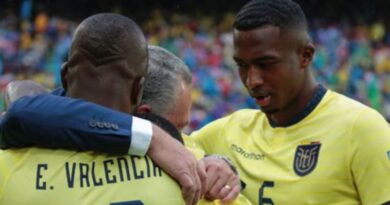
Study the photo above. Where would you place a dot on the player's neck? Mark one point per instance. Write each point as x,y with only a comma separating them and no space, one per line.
293,112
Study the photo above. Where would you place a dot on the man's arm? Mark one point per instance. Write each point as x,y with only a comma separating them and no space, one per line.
61,122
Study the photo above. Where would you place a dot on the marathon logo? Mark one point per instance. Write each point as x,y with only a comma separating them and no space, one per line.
244,153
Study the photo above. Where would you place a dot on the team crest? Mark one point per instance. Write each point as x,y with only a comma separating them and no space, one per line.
306,157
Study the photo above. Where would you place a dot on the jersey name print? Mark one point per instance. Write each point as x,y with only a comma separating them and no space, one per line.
67,177
93,174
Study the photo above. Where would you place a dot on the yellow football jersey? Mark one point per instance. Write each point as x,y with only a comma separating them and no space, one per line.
240,200
45,176
191,145
55,177
338,154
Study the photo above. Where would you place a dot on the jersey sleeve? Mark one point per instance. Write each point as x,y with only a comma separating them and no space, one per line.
191,145
62,122
370,161
206,137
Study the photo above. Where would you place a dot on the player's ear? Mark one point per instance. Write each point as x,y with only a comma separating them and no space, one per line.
306,55
64,74
144,108
137,91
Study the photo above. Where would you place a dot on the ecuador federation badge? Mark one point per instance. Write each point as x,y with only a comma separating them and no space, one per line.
305,159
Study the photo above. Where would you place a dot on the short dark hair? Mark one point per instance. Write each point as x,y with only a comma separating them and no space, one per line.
285,14
107,37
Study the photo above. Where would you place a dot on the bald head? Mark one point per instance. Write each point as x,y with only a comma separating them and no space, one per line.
107,37
18,89
107,61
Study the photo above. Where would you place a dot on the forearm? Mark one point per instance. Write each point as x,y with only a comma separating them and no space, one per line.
60,122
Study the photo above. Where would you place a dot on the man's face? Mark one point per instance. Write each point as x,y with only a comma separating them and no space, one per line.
181,108
269,66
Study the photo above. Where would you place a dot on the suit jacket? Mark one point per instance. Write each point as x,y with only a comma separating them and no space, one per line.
71,124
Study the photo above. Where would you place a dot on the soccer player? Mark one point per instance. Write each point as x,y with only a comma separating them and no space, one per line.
307,144
171,156
167,93
107,64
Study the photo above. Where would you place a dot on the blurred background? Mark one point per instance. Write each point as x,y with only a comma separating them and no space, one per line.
352,40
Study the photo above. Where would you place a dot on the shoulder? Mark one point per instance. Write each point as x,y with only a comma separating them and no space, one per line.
10,160
191,145
12,155
242,117
246,114
345,108
59,92
361,119
343,102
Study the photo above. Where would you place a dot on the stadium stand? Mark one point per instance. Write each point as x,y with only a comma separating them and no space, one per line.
352,41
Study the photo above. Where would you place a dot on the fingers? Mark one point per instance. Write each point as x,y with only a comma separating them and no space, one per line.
231,190
224,191
192,183
191,194
223,182
223,186
233,194
198,187
212,176
202,176
212,179
188,193
219,174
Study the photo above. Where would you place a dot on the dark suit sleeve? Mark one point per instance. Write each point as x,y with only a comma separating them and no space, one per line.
62,122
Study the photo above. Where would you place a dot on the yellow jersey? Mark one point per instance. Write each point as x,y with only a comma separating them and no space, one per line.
338,154
44,176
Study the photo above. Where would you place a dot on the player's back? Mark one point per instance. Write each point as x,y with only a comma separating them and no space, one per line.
44,176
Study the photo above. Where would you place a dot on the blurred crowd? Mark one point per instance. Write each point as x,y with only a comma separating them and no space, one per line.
351,59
